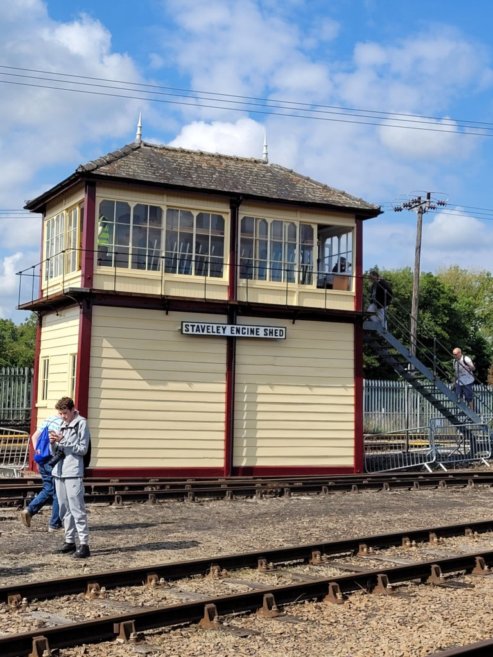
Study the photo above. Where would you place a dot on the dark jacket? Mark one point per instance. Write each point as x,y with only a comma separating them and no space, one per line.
381,292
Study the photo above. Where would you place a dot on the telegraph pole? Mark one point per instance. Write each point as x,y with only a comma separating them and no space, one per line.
420,205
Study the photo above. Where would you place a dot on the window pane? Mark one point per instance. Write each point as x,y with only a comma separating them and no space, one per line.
172,219
122,214
140,214
276,230
217,224
247,226
186,220
203,222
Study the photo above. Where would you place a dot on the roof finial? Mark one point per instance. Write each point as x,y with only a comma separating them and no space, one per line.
138,134
266,152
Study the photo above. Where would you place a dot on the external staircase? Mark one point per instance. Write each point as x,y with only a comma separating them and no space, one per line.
424,379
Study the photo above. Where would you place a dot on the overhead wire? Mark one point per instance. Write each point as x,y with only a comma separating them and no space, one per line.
237,103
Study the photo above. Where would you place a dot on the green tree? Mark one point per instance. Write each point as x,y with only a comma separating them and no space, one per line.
443,323
17,342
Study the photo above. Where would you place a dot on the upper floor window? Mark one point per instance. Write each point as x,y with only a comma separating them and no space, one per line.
335,256
194,243
132,237
62,245
275,250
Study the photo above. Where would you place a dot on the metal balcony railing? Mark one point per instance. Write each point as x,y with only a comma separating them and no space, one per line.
56,274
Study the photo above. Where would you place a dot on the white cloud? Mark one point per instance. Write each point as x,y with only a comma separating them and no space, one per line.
243,138
429,138
456,232
8,268
43,127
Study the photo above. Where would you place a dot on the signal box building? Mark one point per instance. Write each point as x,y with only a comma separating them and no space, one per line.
204,311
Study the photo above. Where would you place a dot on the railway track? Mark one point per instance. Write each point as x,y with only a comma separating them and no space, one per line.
261,595
119,491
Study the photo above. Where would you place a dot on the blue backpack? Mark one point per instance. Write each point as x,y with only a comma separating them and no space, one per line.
43,446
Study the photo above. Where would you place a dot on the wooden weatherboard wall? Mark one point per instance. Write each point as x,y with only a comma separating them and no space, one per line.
59,339
156,397
294,403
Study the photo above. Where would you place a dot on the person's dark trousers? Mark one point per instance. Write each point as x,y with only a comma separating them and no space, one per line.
46,495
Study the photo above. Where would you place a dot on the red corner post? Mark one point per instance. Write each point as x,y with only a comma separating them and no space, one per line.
359,447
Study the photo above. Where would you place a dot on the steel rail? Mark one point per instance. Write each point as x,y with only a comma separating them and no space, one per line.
105,629
105,490
478,649
180,569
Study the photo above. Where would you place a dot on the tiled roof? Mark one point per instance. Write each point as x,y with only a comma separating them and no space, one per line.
218,173
197,170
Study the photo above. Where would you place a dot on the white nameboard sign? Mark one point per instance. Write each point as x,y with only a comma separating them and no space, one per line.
234,330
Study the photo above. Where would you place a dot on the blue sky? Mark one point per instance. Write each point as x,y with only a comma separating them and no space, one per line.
430,59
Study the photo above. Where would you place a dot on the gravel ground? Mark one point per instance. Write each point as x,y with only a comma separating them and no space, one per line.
414,622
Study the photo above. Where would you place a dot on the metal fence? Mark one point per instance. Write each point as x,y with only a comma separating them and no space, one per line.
15,394
441,444
396,406
14,449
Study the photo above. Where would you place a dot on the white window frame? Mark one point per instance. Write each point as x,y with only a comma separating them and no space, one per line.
285,268
44,373
62,250
197,250
72,374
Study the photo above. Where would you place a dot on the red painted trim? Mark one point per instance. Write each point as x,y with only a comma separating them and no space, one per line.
268,471
154,472
233,249
88,236
359,448
83,358
34,408
41,273
246,471
230,400
358,297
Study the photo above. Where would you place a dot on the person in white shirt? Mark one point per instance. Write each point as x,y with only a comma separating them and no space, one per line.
463,376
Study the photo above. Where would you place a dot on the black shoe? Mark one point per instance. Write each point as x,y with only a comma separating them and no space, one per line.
67,547
82,552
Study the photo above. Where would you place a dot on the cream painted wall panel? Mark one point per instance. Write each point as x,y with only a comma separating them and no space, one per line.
59,339
156,396
294,402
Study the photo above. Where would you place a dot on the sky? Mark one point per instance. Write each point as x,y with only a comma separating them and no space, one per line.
385,100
